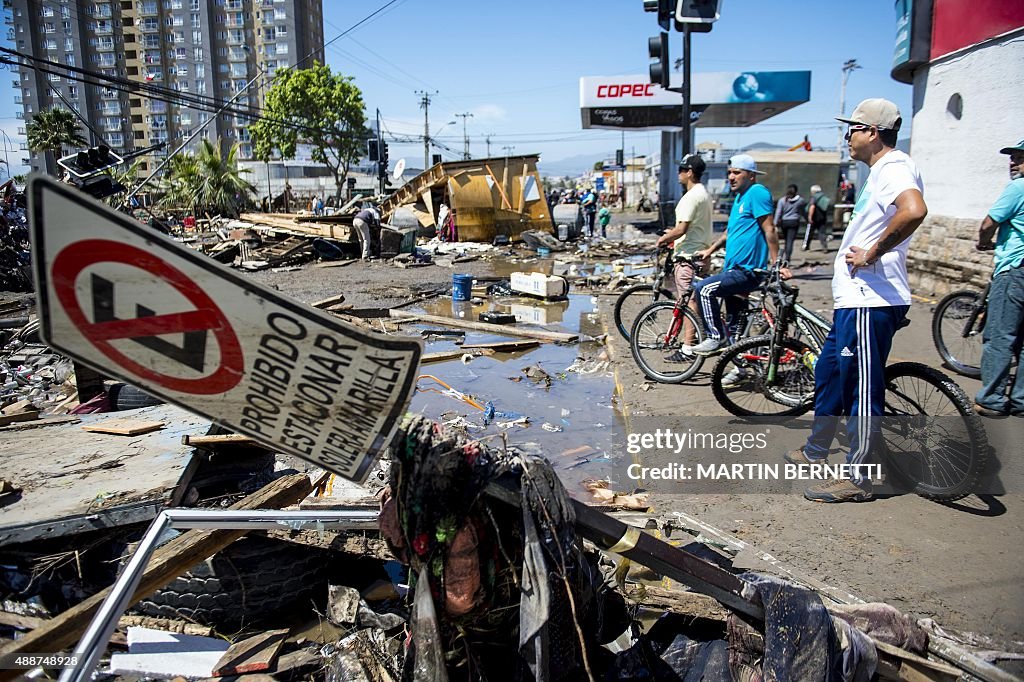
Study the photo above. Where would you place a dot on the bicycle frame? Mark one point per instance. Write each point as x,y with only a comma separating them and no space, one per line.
979,311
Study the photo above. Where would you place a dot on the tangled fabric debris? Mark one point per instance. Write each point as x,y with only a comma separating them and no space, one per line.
512,589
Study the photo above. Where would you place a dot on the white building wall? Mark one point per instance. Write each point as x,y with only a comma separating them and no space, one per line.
959,160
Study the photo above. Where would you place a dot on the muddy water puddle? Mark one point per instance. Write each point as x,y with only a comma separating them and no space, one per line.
554,400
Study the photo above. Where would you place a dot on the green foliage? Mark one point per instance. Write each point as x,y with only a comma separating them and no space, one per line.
20,179
599,165
316,107
207,182
52,130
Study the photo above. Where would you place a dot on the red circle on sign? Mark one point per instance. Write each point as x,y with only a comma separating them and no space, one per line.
70,262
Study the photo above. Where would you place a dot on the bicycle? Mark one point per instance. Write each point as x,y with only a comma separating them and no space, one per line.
634,299
934,442
660,329
958,324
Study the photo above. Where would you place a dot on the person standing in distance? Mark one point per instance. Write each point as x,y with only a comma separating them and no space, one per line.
872,296
691,234
789,212
1004,321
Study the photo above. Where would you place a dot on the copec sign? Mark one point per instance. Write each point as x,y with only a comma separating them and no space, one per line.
722,99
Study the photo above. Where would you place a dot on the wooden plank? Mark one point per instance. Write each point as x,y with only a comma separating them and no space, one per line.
26,416
168,562
125,427
503,346
336,263
45,421
21,622
252,655
19,407
221,439
445,355
499,329
329,301
165,624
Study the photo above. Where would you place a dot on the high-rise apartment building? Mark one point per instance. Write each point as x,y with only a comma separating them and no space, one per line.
208,50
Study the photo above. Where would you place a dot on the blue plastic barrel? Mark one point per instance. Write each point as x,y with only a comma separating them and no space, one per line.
462,287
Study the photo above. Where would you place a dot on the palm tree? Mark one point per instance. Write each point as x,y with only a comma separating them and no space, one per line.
52,130
207,182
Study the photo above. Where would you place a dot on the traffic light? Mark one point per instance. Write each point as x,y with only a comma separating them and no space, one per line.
619,161
101,186
383,161
372,149
90,161
664,8
698,15
657,48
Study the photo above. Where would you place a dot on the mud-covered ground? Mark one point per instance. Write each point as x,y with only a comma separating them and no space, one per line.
959,563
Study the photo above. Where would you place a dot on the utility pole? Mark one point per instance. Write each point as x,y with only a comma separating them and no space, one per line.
488,140
686,89
848,66
465,137
425,103
508,151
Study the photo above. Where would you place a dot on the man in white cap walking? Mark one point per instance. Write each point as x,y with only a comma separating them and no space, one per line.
750,243
872,296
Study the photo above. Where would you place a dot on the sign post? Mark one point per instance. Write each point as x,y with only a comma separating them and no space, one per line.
120,297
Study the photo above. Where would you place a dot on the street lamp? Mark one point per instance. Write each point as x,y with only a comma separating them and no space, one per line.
848,66
7,158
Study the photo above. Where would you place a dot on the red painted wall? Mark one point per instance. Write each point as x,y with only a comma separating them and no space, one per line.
959,23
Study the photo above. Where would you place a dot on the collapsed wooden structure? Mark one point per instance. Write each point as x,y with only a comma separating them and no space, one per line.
487,197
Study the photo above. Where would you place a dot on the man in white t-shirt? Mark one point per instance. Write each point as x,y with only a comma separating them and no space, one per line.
692,234
871,296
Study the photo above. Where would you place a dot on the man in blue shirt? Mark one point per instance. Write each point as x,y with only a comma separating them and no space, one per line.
750,243
1004,322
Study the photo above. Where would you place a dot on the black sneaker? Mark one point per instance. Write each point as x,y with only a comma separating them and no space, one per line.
679,357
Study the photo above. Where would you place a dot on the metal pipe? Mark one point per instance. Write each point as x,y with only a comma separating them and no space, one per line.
94,642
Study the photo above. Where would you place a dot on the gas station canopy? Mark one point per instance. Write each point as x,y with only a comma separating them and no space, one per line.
718,100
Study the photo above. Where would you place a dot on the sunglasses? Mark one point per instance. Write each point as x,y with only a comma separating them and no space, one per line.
854,128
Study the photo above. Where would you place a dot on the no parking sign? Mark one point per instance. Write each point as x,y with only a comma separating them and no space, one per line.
137,305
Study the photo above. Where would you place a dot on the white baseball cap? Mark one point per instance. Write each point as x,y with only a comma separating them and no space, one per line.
877,112
744,162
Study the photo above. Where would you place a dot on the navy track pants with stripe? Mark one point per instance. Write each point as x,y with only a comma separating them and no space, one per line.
849,380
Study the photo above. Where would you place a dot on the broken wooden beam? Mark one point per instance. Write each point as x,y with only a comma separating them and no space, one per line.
220,439
167,563
499,329
255,654
445,355
329,302
503,346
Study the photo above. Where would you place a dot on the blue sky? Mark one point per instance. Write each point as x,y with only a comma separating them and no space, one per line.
516,67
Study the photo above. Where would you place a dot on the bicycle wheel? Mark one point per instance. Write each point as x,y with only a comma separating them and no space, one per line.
935,444
740,379
652,341
631,301
957,332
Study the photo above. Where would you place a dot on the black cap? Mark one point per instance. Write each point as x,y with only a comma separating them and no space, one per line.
695,163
